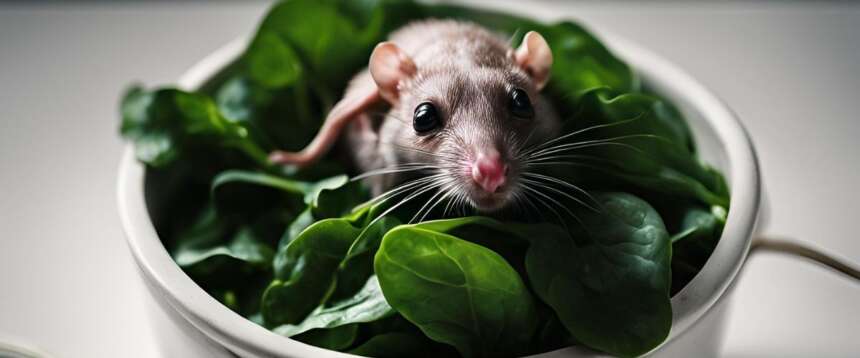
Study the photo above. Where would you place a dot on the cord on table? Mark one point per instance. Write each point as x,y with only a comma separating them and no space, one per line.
763,244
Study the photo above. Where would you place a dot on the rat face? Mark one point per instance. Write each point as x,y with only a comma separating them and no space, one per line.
465,112
471,127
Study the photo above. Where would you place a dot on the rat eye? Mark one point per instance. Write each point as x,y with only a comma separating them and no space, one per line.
426,118
520,104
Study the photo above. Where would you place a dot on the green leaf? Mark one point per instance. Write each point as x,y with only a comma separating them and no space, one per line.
581,62
326,198
357,265
307,277
457,292
645,145
396,345
336,338
333,38
271,61
698,235
165,123
243,247
261,179
610,288
366,305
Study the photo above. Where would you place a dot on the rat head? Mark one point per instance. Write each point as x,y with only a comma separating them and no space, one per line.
469,119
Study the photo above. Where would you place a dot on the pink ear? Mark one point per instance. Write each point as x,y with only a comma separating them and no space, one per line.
535,57
389,67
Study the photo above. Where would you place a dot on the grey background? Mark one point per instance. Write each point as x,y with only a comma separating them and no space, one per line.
67,282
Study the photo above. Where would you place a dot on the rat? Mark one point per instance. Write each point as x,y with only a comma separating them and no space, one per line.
458,101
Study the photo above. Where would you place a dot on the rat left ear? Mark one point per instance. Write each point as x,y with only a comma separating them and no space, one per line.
390,66
535,57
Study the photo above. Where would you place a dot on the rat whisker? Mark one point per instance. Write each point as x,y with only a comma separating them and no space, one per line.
521,149
588,145
454,190
463,204
432,198
538,192
573,158
517,200
404,187
571,197
401,189
594,141
540,201
575,164
391,170
528,201
403,201
412,149
568,157
456,193
580,131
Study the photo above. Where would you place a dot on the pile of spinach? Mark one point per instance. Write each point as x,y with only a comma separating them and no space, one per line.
305,254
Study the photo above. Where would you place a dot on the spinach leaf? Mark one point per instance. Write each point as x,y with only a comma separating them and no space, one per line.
283,118
272,62
203,246
337,338
457,292
308,272
246,191
611,290
332,38
310,192
243,247
397,345
641,141
164,123
365,306
357,264
698,234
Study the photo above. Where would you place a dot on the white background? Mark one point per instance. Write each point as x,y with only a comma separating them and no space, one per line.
67,282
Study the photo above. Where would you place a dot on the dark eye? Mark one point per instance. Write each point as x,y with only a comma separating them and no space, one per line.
521,106
426,118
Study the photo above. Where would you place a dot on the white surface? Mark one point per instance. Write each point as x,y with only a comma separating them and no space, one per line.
67,282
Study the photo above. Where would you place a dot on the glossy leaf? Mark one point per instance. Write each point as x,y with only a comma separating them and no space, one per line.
367,305
610,287
164,123
309,266
337,338
655,151
457,292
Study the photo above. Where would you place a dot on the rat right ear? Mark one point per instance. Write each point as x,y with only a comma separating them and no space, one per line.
535,57
389,67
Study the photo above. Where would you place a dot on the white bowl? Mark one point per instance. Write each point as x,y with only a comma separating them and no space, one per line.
192,323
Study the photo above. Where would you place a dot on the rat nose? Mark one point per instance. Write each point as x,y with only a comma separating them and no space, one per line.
488,171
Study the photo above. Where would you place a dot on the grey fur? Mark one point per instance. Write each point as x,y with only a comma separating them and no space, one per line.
467,72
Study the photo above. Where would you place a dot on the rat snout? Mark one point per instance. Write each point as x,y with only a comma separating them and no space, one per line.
489,171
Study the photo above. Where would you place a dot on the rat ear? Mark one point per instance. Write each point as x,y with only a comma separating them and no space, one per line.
535,57
389,67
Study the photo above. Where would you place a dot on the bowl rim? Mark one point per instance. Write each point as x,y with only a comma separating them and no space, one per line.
240,335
